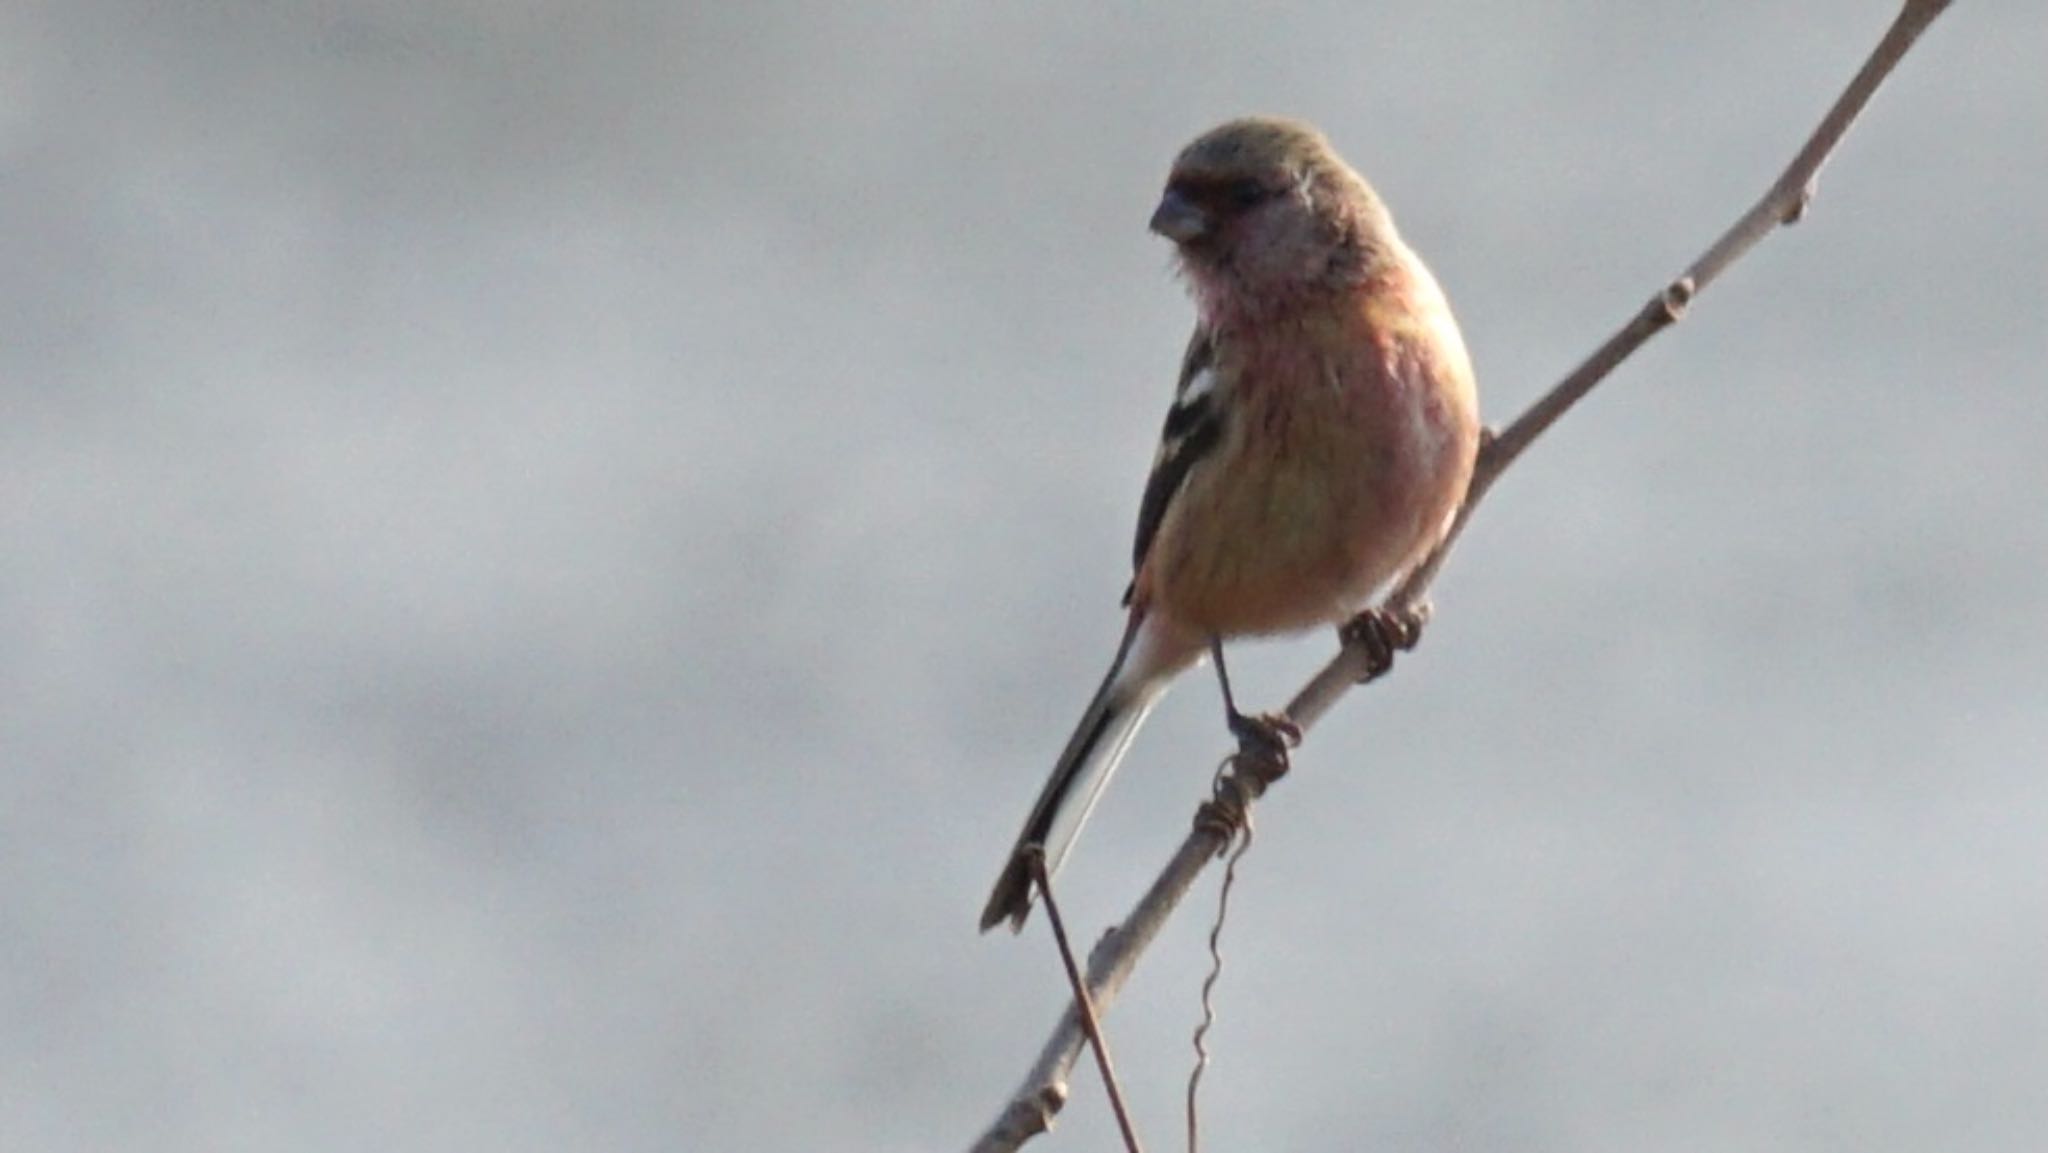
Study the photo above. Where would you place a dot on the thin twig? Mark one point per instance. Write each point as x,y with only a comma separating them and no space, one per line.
1085,1005
1029,1111
1244,844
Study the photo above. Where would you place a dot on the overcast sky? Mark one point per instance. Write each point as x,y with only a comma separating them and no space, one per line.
546,548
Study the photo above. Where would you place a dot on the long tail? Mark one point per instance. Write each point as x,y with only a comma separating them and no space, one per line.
1135,683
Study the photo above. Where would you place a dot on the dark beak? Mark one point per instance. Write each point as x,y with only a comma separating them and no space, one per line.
1179,219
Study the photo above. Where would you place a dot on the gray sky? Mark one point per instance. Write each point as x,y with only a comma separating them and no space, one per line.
547,548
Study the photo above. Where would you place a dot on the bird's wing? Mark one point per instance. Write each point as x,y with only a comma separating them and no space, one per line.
1194,426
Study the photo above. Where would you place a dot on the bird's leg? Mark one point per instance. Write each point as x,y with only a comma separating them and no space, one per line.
1267,735
1382,632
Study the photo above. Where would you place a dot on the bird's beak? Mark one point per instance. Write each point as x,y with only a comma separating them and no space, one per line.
1179,219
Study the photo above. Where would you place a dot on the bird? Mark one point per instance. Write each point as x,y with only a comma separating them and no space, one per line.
1319,441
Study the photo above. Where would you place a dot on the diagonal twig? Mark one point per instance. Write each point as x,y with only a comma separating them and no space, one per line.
1083,1005
1031,1108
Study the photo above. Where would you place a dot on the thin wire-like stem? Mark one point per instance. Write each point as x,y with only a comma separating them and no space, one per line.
1085,1005
1029,1111
1201,1038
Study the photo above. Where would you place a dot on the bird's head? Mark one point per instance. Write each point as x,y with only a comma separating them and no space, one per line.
1262,211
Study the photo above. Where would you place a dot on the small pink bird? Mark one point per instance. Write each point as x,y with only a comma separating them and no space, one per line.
1320,439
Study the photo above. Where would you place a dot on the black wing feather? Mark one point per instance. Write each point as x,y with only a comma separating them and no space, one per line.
1193,428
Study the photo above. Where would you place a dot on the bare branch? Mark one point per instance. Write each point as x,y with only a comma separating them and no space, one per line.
1784,203
1031,1109
1090,1023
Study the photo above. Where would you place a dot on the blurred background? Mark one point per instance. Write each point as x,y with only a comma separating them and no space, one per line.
548,547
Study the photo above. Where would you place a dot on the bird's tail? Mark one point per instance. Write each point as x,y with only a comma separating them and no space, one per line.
1134,684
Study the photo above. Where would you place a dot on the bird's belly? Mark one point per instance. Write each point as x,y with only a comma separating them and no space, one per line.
1305,537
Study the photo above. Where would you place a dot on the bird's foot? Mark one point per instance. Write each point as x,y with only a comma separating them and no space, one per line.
1382,632
1266,737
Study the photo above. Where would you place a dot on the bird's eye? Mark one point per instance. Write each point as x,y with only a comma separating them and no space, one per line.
1246,193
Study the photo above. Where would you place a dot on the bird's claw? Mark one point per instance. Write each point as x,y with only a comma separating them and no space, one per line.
1267,736
1382,632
